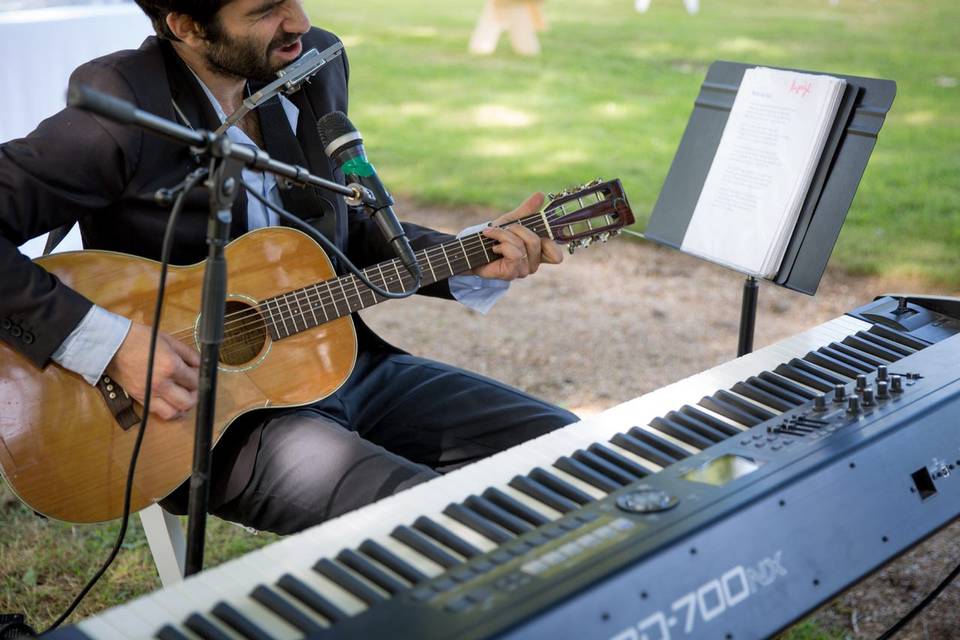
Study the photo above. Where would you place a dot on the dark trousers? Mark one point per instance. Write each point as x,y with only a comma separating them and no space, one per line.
398,421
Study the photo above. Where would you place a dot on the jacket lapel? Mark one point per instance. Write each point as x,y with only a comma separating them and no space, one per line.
193,104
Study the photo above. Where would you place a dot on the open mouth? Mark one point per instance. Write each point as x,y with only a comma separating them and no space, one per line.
291,50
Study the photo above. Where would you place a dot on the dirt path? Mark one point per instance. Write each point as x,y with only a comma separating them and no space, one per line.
619,320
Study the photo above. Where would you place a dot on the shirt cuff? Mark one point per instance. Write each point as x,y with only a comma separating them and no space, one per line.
480,294
91,346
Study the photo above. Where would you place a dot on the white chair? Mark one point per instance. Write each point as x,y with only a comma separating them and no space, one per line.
167,543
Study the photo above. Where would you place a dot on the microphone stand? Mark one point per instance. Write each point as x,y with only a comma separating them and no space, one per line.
226,162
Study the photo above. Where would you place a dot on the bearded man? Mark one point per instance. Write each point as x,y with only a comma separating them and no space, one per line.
399,420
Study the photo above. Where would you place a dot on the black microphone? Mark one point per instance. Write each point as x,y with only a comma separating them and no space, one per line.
342,144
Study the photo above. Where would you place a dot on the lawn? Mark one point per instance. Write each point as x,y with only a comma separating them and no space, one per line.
613,89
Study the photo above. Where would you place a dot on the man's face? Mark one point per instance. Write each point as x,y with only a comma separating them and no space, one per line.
255,38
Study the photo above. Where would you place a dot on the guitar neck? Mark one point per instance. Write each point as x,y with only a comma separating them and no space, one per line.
295,311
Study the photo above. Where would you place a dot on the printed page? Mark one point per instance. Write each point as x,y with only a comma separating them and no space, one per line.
762,169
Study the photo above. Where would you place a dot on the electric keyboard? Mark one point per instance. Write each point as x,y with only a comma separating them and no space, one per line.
726,505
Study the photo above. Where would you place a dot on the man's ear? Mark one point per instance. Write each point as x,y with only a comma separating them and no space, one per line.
185,29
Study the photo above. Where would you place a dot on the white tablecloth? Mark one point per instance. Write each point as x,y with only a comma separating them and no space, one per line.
39,48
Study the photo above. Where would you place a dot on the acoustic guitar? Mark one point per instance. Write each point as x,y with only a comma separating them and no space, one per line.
65,445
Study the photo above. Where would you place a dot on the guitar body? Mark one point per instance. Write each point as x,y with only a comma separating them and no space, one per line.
64,453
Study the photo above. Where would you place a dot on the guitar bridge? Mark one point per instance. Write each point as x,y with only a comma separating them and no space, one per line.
118,402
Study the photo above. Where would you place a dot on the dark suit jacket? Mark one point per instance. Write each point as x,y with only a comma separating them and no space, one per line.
80,167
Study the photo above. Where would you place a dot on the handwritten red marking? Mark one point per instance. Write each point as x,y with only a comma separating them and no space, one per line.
801,88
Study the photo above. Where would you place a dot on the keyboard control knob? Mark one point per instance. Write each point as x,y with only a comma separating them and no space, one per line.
861,382
839,393
820,403
882,372
883,390
867,397
896,384
853,404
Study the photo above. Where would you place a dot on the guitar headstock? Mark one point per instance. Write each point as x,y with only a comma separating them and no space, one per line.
581,215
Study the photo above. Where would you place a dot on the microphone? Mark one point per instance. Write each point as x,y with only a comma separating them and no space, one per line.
342,144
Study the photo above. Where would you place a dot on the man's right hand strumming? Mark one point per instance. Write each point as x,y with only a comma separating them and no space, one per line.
175,372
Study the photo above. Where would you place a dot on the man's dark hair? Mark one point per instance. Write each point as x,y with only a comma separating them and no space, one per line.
203,12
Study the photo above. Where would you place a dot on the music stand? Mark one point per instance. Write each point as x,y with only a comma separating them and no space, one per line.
860,116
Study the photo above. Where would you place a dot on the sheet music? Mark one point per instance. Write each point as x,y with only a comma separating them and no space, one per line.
764,164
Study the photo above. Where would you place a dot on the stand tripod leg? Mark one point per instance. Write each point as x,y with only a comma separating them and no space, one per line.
748,315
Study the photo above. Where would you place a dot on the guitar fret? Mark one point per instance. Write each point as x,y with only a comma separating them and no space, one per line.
286,329
346,296
312,307
483,245
296,298
323,306
396,266
273,321
333,299
465,255
445,257
426,256
546,223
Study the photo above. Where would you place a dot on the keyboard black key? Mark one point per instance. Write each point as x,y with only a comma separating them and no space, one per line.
698,427
239,622
789,385
825,361
604,466
674,451
642,449
445,536
877,346
755,392
544,494
797,374
582,472
898,337
310,597
859,355
497,514
562,487
169,632
393,562
478,523
347,581
730,411
680,432
717,424
824,374
371,572
859,365
745,405
284,609
514,506
625,463
204,628
423,545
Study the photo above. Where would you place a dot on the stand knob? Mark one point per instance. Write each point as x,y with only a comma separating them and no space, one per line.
882,372
839,393
867,396
896,383
853,404
883,390
861,382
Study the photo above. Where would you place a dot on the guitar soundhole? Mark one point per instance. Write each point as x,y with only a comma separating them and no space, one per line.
244,334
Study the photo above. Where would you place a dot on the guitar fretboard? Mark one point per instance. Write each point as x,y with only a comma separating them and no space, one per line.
301,309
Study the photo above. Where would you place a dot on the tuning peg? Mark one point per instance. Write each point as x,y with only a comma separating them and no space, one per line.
571,248
603,237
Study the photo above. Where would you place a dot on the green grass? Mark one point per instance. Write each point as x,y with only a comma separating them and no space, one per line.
611,93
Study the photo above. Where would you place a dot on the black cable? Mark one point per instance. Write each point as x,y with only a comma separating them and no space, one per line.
190,182
905,620
332,248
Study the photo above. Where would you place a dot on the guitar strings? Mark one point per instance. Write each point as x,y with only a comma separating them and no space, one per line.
436,250
250,332
334,298
252,324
